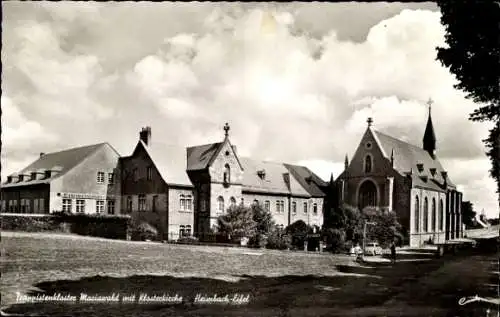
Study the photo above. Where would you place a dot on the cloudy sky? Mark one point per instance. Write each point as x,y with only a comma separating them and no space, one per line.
295,81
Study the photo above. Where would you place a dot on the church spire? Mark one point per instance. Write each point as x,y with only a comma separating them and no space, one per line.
346,162
429,140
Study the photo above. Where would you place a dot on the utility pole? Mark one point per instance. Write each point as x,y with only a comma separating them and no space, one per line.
364,234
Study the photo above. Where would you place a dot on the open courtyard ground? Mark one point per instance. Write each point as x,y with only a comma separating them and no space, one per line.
267,283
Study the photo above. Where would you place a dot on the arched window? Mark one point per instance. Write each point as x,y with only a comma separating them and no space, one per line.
232,201
441,215
417,214
367,195
267,205
294,208
426,214
227,174
220,204
189,202
315,208
368,163
433,215
255,202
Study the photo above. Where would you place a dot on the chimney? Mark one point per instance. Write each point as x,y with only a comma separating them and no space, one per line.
145,135
42,154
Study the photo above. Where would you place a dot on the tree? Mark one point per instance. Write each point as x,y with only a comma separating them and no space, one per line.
237,223
298,231
468,214
386,227
473,56
263,219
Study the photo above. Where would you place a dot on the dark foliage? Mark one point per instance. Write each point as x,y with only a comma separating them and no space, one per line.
279,240
468,213
298,232
473,56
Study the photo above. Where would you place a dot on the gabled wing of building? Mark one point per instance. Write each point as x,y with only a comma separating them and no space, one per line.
170,161
200,156
406,159
60,162
311,182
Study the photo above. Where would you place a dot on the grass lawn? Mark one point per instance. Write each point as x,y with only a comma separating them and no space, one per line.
275,283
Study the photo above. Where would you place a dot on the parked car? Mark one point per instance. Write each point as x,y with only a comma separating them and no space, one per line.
372,248
355,250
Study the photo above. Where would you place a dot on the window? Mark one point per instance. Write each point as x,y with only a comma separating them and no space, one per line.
182,203
142,202
80,205
111,207
35,206
189,203
232,202
203,205
433,215
182,231
4,205
441,215
41,205
368,164
367,196
315,208
242,201
33,176
305,207
25,206
417,214
99,206
47,174
111,178
134,174
100,177
67,205
281,227
129,204
155,203
255,202
280,206
426,214
150,173
294,208
227,174
188,231
368,145
267,205
220,204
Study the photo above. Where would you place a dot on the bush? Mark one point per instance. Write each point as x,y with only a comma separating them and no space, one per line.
335,240
31,223
258,241
143,231
298,232
278,240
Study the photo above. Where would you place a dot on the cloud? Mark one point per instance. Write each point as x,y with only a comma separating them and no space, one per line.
296,82
19,137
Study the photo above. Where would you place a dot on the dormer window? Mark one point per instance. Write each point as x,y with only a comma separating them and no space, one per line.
9,179
21,177
424,178
47,173
33,176
262,174
420,167
433,171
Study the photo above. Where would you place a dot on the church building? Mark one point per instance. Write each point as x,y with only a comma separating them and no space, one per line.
391,174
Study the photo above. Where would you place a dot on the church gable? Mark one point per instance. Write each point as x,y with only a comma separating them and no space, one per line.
369,158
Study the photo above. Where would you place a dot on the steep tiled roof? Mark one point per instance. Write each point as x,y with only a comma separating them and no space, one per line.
274,181
406,158
198,157
63,161
170,161
307,179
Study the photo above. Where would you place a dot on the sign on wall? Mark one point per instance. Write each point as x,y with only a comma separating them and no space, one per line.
84,196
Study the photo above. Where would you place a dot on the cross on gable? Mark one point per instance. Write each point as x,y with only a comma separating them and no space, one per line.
226,129
429,103
370,121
